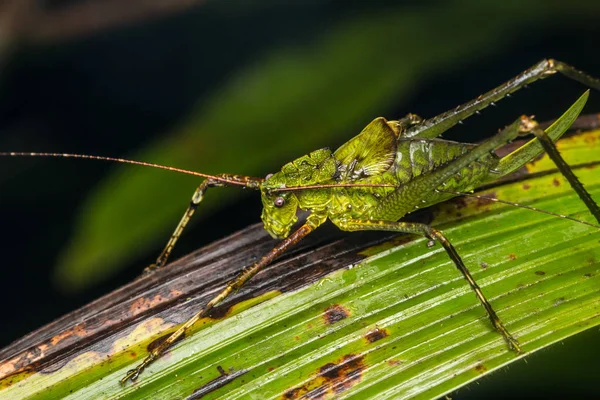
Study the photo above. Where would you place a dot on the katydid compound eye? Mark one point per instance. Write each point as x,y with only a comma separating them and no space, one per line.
279,202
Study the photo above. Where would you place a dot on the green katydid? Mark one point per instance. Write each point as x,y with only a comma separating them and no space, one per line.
389,170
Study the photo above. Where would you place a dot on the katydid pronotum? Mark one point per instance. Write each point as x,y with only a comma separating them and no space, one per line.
389,170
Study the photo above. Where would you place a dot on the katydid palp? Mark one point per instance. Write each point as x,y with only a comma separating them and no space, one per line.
389,170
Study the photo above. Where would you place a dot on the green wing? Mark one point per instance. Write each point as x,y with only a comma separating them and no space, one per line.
370,153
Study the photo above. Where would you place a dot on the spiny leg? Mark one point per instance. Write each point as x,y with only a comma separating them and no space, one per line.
434,234
194,202
564,168
545,141
533,148
420,187
435,126
232,286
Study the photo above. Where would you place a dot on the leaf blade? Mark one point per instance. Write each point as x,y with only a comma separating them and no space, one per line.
428,335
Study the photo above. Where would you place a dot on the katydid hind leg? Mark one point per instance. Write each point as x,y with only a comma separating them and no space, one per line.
411,193
544,141
232,287
533,148
437,125
567,172
434,234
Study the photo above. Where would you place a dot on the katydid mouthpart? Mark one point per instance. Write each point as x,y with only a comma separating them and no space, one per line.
389,170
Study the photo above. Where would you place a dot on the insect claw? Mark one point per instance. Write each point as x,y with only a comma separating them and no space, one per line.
150,269
513,344
132,374
478,112
493,104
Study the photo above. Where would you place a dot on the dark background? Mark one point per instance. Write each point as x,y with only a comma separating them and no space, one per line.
132,79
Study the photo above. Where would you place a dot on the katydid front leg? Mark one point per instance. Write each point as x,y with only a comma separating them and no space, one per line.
232,286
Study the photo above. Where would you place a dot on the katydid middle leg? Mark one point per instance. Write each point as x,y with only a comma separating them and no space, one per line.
434,234
411,193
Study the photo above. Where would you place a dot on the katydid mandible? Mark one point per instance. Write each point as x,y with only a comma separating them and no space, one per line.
389,170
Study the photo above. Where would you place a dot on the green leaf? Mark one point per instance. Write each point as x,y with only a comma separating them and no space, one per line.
292,100
401,323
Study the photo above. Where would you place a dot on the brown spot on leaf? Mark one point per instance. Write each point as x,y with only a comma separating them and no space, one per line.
555,182
526,186
460,202
485,201
483,265
480,368
331,380
335,313
540,273
78,330
376,334
145,303
512,256
394,363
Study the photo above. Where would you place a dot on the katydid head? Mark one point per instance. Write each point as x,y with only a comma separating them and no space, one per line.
280,205
279,213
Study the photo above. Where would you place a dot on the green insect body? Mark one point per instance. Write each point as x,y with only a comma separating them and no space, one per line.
380,154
